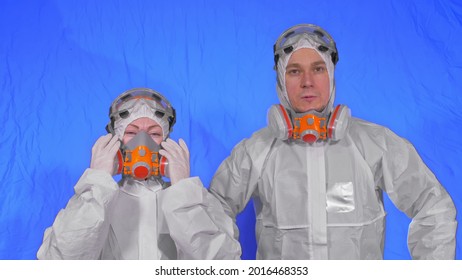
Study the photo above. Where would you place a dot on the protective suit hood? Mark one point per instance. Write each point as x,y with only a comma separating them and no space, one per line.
138,103
298,37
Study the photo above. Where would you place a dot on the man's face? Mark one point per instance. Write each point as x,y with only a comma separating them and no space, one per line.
147,125
307,81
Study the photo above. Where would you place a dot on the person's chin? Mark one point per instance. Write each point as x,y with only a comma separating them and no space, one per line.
306,109
308,106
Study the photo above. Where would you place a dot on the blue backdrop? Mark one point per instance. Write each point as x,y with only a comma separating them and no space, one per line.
63,62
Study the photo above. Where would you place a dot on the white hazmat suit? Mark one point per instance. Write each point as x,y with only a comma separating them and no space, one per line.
140,219
324,200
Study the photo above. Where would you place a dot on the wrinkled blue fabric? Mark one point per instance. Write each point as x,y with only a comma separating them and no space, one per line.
63,62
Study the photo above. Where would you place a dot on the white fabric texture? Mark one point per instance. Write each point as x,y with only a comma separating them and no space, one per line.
139,220
325,201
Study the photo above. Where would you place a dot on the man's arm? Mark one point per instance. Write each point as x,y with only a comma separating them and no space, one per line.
415,190
234,183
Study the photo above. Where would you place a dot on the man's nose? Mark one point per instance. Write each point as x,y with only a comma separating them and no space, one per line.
307,79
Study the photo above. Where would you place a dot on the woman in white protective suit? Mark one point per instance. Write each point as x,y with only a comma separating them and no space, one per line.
317,174
141,217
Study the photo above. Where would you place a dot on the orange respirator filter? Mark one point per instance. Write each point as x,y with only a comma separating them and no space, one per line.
140,158
310,128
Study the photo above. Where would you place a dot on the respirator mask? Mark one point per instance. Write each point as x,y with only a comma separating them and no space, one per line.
140,158
309,128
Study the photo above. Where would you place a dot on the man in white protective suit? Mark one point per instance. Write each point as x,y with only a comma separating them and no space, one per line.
141,217
317,175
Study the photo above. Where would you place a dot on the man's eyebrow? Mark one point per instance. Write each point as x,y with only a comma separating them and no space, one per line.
294,64
319,62
316,63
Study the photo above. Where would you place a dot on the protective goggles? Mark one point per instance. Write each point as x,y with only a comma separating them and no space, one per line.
285,43
124,103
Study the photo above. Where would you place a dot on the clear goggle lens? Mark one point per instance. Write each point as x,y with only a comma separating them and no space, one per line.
285,42
127,100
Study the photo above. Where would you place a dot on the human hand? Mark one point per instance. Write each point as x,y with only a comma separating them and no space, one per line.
103,153
178,159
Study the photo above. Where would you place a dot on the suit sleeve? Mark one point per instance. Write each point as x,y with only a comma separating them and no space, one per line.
235,182
81,229
414,189
197,223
